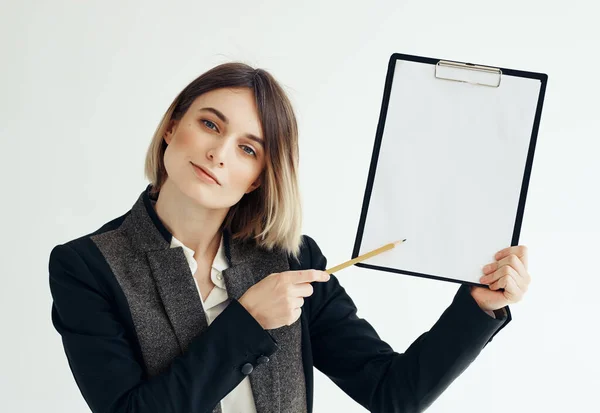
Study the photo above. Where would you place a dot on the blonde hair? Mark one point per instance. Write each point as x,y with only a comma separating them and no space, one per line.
271,215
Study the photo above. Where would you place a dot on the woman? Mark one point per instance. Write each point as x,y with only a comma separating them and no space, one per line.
206,297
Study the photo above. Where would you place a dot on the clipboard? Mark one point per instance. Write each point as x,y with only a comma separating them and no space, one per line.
450,166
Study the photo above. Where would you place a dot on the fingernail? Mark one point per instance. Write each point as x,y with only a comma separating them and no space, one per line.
487,267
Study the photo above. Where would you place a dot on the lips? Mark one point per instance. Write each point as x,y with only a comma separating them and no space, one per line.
206,171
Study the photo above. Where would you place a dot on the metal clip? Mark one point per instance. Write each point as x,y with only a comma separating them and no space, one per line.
482,72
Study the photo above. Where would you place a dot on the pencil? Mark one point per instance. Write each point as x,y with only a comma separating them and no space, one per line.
364,256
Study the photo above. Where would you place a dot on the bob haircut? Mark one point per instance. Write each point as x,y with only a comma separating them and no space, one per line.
271,215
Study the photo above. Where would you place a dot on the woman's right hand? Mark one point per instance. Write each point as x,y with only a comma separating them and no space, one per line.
277,299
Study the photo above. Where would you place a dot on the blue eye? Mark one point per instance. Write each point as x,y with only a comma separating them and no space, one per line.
253,153
209,124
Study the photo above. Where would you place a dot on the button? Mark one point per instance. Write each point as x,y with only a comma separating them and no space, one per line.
262,360
247,368
219,277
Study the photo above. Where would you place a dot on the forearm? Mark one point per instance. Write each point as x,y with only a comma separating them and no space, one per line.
415,379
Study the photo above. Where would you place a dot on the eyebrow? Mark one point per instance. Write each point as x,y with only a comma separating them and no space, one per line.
224,119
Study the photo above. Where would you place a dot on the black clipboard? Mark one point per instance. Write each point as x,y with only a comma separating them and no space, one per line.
420,91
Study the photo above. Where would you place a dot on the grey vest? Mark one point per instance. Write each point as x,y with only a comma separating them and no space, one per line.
167,311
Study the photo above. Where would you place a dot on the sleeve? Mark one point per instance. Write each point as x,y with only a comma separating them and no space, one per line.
348,350
105,366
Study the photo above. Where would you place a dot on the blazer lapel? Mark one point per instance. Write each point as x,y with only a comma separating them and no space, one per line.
165,308
170,271
178,294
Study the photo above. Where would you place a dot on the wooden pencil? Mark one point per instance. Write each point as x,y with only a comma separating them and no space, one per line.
364,256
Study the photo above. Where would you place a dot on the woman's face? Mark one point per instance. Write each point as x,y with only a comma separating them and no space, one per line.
220,132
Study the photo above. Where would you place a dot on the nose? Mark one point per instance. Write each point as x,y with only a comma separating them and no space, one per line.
216,154
211,157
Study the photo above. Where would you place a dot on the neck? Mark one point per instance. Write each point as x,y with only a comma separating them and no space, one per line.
196,226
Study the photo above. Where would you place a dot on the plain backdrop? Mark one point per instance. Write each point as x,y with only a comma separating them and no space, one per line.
84,84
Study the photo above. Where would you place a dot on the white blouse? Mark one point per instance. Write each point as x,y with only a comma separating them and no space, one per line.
240,399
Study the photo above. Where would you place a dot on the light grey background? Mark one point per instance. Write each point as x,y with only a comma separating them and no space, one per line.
84,85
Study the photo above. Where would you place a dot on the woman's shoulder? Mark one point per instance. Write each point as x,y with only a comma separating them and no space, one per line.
81,243
310,256
79,258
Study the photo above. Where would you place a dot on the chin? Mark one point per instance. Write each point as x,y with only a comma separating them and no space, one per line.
206,196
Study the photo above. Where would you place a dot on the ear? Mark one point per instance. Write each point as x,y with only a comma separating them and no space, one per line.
171,128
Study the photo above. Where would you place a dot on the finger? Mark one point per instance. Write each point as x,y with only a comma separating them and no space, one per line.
520,273
502,271
307,276
520,251
511,289
296,302
302,290
295,316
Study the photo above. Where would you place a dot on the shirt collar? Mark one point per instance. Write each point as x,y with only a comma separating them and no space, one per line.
218,264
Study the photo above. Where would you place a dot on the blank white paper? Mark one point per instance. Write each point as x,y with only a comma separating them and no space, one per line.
449,172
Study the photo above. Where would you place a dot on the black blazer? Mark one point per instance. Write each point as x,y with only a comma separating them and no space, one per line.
91,313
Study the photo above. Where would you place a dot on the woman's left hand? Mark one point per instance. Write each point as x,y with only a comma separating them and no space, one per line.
509,272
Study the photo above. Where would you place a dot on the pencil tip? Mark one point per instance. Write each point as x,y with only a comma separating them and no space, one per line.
399,242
